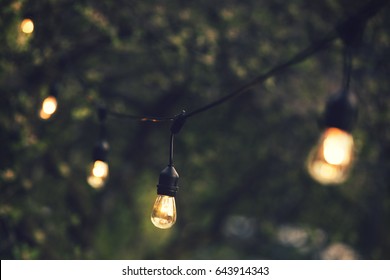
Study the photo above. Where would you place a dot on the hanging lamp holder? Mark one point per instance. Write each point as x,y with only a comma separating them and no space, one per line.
168,182
341,112
169,178
101,148
100,151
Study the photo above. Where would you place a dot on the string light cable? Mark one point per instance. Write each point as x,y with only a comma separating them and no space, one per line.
342,30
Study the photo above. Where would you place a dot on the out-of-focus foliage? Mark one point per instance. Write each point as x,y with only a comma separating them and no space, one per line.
244,191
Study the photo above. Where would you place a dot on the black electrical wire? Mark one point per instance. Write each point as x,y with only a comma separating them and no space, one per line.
294,60
343,30
140,118
171,149
347,69
340,31
102,117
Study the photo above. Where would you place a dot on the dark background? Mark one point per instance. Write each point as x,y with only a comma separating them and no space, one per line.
244,190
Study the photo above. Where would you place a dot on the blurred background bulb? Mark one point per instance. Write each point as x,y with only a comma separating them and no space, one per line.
49,106
98,174
164,212
331,160
27,26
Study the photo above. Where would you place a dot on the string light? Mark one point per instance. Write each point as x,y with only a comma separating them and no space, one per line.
329,162
27,26
98,169
49,104
164,209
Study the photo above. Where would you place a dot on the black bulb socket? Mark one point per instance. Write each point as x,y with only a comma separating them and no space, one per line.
341,112
100,151
168,182
53,90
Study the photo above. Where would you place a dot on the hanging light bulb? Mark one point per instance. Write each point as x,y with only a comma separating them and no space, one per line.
330,161
49,106
164,209
164,212
27,26
98,175
98,170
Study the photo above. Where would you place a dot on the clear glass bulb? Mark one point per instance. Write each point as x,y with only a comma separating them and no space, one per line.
27,26
331,160
98,175
49,106
164,212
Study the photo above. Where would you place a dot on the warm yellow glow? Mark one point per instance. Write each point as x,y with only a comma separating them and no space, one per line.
100,169
331,160
49,105
27,26
96,182
43,115
98,175
164,212
337,146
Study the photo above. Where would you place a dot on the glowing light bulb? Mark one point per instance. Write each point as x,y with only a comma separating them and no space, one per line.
164,212
49,106
43,115
331,160
100,169
98,175
27,26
